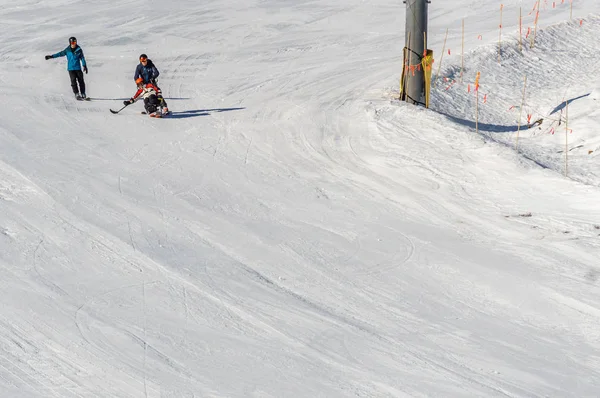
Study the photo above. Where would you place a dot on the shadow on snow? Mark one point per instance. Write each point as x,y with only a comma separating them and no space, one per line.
199,112
486,127
498,128
564,104
123,99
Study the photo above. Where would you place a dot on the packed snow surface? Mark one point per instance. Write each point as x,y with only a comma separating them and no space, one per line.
293,230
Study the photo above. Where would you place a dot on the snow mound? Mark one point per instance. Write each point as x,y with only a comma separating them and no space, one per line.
561,68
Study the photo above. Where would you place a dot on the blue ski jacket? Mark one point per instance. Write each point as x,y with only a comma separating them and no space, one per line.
149,72
75,58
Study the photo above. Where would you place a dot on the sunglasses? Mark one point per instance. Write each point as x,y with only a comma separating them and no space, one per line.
143,59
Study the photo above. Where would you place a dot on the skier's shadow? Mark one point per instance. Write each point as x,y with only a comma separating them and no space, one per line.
123,99
199,112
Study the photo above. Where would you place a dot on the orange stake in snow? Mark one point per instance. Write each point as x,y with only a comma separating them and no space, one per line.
534,8
537,16
477,102
451,84
520,29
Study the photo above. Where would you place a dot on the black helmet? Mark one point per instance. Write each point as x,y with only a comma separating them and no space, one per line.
143,57
72,39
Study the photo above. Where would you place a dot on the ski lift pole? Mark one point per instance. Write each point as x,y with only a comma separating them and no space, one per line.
415,33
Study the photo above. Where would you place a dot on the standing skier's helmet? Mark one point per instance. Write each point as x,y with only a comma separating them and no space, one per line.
143,57
72,39
139,81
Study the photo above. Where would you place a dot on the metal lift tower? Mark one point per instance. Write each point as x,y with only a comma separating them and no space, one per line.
414,87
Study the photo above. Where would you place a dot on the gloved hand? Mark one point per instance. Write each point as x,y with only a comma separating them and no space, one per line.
47,57
85,69
128,102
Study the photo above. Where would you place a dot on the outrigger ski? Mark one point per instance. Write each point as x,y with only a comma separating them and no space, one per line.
157,114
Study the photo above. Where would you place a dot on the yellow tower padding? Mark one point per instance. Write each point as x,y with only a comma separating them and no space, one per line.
403,75
427,63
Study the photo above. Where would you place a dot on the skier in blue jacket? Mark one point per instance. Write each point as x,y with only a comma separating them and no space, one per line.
75,61
147,71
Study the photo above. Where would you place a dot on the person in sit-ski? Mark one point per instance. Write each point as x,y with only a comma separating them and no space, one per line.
149,92
75,61
148,71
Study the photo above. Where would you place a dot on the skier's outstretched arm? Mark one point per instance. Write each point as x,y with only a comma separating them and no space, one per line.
58,54
134,98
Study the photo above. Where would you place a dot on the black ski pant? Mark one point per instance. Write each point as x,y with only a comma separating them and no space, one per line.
161,99
77,76
163,103
151,104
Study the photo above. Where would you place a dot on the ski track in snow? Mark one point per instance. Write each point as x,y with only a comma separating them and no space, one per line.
292,229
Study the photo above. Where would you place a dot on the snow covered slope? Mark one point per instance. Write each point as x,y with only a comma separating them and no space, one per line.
292,230
561,67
